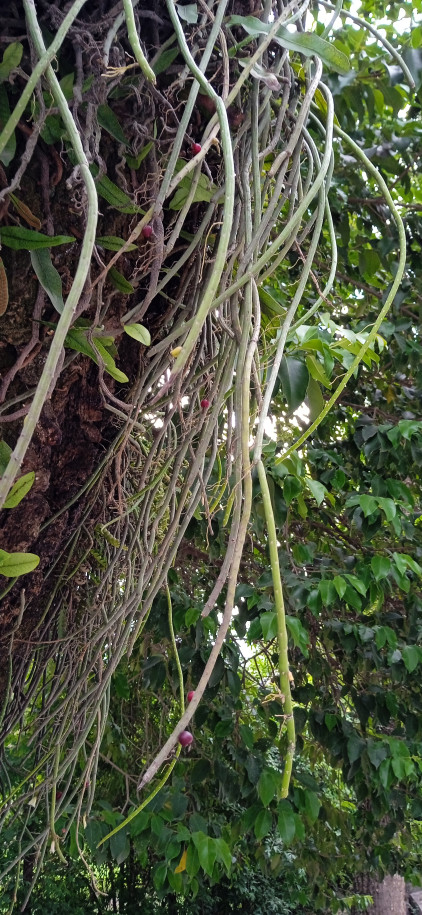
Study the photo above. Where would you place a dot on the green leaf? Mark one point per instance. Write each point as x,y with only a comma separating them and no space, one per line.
318,490
402,768
298,633
188,12
66,85
94,832
377,752
314,398
263,824
357,584
113,243
53,129
270,306
159,875
294,378
135,161
328,592
21,239
306,43
355,748
76,339
368,505
139,333
164,60
140,822
381,566
223,728
48,276
340,585
369,262
107,119
204,192
11,59
246,734
115,196
5,452
312,805
19,489
388,507
268,622
120,846
286,822
412,655
291,488
223,853
14,564
384,772
207,851
120,282
8,153
330,721
268,785
317,372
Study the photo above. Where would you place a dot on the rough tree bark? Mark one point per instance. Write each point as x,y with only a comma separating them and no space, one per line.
389,896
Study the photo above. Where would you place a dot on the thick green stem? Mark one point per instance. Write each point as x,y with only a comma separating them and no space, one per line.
134,42
283,655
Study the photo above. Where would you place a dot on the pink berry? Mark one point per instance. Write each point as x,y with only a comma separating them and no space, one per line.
195,148
185,738
205,404
190,695
147,231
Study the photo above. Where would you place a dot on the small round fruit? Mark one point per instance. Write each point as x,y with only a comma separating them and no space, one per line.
205,404
147,231
195,148
185,738
190,695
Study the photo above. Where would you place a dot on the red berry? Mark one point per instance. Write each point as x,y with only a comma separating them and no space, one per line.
185,738
195,148
205,404
147,231
190,695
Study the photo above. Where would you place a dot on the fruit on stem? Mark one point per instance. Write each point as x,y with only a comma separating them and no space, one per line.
185,738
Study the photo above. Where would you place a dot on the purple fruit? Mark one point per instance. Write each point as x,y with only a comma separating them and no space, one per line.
185,738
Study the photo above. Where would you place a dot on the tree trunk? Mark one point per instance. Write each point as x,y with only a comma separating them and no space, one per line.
389,896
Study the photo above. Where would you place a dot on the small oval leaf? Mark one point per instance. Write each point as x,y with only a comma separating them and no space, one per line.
21,239
20,489
139,333
14,564
48,276
113,243
4,289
